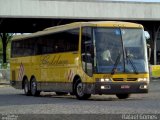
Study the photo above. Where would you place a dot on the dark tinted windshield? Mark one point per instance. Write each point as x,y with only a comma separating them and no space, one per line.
108,49
120,50
134,44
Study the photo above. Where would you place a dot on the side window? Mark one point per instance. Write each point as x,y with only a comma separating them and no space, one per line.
22,48
72,42
13,49
65,41
13,44
86,49
17,48
28,47
40,44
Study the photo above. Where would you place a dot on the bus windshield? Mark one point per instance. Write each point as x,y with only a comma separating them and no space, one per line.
120,50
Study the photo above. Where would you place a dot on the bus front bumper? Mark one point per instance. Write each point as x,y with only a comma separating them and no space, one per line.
116,87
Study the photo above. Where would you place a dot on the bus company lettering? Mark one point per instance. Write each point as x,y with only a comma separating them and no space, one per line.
52,60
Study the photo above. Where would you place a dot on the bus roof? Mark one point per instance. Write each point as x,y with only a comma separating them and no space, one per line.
59,28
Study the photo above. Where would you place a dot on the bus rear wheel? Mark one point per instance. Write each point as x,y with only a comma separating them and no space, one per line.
123,96
79,91
34,90
26,88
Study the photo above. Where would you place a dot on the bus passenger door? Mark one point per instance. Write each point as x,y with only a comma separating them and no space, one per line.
87,51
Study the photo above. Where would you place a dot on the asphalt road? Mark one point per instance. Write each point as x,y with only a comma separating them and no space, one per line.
14,102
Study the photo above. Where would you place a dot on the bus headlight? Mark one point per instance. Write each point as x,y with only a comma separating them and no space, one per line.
105,80
143,87
143,79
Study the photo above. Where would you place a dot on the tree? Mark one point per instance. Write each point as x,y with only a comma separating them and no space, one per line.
5,37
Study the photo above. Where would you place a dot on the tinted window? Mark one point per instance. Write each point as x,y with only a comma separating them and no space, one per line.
66,41
23,48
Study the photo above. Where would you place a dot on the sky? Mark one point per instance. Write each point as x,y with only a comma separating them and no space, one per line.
139,0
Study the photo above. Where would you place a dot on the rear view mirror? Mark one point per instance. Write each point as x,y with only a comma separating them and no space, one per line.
147,35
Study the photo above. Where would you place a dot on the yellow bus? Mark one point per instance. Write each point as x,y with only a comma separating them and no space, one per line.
82,58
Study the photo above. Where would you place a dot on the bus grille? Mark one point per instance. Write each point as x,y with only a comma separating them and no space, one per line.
118,79
123,79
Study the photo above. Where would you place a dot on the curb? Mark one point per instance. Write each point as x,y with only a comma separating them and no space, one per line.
4,83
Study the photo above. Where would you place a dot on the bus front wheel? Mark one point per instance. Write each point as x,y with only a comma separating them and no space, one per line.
79,91
34,90
123,96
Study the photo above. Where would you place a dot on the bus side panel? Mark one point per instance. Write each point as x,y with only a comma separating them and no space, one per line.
20,67
58,70
14,69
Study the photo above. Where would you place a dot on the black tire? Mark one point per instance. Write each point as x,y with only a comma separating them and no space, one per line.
123,96
78,89
26,88
61,93
34,90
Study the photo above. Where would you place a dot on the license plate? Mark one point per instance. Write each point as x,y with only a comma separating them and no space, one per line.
125,86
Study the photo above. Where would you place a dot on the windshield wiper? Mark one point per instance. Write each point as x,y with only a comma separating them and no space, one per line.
115,64
128,57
